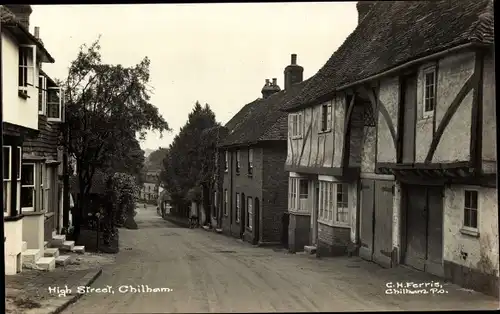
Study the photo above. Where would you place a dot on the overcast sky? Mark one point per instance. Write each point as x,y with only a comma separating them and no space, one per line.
219,54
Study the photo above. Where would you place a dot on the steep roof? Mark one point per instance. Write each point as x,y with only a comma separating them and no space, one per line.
395,32
261,120
9,21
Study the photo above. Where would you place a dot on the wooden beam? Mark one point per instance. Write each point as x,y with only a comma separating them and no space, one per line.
347,131
476,131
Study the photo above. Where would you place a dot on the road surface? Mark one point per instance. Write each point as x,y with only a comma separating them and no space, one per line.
203,271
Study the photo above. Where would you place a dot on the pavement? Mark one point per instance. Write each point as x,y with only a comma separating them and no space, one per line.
197,271
39,292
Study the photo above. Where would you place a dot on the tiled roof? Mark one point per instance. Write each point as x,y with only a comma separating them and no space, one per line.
262,119
396,32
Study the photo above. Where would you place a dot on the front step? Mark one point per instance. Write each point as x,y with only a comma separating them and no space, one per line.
311,249
67,245
62,260
51,252
46,263
58,240
80,249
30,257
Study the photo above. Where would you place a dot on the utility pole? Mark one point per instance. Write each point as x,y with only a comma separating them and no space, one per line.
2,230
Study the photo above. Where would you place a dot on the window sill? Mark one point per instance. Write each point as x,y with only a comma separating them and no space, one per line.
296,137
250,175
299,212
426,117
32,213
334,224
469,232
237,173
23,94
325,131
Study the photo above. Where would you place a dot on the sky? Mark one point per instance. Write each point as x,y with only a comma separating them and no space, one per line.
218,53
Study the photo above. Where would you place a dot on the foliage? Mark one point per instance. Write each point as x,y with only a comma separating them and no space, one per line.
125,192
106,107
155,159
185,159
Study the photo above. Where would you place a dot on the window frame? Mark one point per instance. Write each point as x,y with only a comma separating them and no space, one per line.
429,70
226,161
238,161
33,186
7,182
250,161
29,65
326,117
60,105
226,198
328,211
297,125
238,207
249,209
42,94
464,225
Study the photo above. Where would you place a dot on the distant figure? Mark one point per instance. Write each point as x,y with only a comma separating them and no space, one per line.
193,221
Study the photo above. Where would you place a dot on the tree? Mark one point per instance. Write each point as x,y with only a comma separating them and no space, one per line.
106,105
127,158
185,158
155,159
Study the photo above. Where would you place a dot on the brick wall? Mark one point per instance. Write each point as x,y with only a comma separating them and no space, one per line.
46,143
332,241
299,230
274,192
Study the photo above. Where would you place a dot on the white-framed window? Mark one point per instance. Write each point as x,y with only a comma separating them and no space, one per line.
250,161
333,203
298,194
471,209
28,186
27,61
238,161
429,91
55,98
42,94
225,202
7,172
326,117
238,206
296,125
249,213
43,185
226,161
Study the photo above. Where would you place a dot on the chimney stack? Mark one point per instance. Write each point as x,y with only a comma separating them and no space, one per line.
37,32
293,73
363,8
22,13
270,88
275,82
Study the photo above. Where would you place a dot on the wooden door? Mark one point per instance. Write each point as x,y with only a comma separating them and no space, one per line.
409,110
416,227
367,194
434,261
382,233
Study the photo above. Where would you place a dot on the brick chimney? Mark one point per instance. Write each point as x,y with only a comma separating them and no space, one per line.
270,88
293,73
22,13
363,8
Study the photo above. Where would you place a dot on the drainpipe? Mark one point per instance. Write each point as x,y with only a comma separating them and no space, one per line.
2,230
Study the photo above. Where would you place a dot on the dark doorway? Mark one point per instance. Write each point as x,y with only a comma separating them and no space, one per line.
256,221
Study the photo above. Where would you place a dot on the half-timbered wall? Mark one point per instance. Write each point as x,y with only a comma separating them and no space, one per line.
489,149
316,149
452,73
388,95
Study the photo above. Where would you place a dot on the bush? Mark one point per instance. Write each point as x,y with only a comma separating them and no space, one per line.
125,191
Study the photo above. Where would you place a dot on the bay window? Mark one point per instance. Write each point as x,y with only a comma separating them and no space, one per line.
298,194
333,203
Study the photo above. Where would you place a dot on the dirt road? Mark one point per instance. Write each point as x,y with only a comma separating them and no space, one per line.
206,272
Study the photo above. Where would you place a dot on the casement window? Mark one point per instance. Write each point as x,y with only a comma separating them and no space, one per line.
28,185
296,125
238,161
250,161
471,209
27,61
298,194
238,206
7,172
226,161
429,91
333,203
55,97
326,117
225,202
42,94
249,213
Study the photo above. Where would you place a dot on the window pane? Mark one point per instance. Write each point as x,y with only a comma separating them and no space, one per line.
304,186
473,199
6,162
27,175
473,219
27,196
467,217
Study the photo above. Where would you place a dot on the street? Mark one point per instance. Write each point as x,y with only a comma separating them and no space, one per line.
209,272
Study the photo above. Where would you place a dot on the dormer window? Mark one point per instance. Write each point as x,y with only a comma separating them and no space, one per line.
429,91
27,74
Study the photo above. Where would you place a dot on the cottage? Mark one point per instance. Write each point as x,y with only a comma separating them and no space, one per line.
22,56
392,145
254,196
